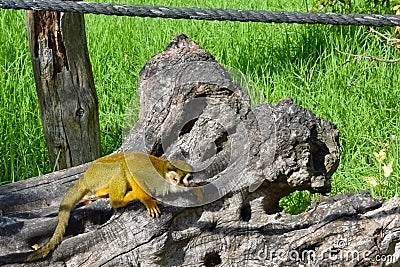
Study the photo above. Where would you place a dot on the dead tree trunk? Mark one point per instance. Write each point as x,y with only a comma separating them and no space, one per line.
246,158
65,87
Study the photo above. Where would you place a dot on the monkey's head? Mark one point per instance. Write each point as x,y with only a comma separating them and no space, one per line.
178,173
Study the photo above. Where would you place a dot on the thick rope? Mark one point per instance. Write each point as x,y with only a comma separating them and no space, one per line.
204,13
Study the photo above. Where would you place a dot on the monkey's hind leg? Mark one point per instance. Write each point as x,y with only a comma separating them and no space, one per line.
118,190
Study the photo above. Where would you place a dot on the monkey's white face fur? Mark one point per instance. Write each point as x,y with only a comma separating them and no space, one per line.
176,179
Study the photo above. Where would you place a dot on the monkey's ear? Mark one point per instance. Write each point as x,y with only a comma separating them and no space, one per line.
181,165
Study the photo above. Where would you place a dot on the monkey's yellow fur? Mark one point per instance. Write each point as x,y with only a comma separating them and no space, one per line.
116,175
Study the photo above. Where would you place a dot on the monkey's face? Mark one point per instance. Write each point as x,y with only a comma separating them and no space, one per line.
178,177
178,173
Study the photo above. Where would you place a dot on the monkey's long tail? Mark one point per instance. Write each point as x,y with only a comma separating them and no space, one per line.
71,198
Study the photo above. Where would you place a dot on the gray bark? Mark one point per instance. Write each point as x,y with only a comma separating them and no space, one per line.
246,158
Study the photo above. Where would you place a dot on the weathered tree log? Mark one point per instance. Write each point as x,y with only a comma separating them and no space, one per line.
65,87
245,158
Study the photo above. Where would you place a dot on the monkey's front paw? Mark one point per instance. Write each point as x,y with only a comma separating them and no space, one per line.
152,209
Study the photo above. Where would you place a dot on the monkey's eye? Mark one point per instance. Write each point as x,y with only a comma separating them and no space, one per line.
187,179
176,180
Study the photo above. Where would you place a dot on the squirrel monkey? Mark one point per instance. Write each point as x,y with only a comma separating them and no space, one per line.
117,176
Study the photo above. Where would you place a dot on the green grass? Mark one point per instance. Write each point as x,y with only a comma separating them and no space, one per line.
298,61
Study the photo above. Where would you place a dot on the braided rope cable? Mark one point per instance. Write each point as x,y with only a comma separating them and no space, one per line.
204,13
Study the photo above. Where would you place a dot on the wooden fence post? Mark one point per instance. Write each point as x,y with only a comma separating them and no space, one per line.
65,87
